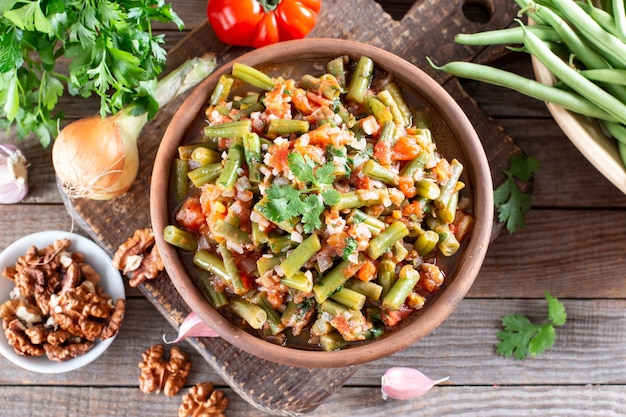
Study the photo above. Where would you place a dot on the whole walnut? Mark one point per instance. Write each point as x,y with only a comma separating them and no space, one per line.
203,401
158,374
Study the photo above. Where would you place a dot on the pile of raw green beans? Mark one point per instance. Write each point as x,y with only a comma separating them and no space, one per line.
582,44
316,211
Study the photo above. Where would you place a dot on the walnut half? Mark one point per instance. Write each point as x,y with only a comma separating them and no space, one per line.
158,375
203,401
139,257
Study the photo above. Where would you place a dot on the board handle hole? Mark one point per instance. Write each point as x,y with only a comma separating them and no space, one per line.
478,11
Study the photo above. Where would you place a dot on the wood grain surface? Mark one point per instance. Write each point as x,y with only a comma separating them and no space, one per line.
572,246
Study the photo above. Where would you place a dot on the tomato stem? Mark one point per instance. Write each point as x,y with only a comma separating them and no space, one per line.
269,5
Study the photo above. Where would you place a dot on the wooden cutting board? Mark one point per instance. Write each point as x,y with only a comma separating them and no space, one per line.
427,29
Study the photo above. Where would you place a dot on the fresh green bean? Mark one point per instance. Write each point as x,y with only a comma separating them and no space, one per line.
620,19
180,180
426,242
374,224
234,161
253,76
381,243
566,99
329,283
398,251
619,133
352,299
247,111
221,90
234,277
351,199
282,127
428,188
266,263
327,84
205,174
398,98
407,280
606,75
449,187
273,317
254,315
378,109
185,151
332,341
369,289
387,99
252,153
235,129
217,299
506,36
448,244
203,155
573,79
336,67
230,232
386,276
280,244
180,238
415,165
378,172
300,255
209,262
299,281
259,236
611,47
361,79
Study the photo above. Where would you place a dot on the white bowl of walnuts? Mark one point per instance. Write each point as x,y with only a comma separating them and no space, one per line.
61,301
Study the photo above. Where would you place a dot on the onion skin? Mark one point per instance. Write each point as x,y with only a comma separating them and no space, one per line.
97,158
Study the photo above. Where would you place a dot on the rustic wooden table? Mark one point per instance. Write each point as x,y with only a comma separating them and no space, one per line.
573,246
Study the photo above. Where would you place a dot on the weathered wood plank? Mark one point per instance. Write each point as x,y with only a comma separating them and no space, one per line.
588,349
489,401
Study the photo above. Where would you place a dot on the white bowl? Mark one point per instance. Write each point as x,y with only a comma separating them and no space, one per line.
110,280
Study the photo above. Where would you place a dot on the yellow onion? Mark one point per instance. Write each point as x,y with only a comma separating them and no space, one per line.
97,157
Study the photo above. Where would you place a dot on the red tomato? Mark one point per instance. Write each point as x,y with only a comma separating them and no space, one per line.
258,23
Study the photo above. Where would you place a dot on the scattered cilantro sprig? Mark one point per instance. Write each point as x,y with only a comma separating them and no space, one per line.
522,338
111,50
512,204
286,202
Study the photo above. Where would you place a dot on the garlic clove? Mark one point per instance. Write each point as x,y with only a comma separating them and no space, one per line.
13,174
403,383
192,326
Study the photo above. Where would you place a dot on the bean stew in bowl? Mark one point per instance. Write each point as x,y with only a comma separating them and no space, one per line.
321,203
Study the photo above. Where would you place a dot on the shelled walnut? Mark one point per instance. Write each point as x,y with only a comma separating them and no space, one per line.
158,374
203,401
139,257
57,307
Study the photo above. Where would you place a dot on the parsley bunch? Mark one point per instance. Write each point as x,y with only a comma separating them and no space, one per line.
285,202
512,204
110,47
522,338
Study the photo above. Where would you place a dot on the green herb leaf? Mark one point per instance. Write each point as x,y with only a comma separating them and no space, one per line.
522,338
283,203
512,204
311,216
350,248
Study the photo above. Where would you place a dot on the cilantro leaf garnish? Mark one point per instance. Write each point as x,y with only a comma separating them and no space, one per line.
522,338
285,202
512,204
350,248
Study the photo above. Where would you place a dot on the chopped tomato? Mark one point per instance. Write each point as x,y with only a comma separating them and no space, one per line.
391,317
278,156
367,271
382,152
407,186
190,215
405,149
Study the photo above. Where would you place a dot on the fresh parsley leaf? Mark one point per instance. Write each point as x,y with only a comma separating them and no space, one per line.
522,338
110,47
512,204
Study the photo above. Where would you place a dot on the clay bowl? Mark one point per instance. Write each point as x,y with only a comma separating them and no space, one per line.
460,141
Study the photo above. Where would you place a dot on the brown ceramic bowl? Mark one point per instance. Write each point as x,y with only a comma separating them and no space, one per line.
459,140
